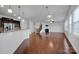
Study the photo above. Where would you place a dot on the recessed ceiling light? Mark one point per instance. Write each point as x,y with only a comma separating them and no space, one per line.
22,20
2,5
9,10
49,16
19,17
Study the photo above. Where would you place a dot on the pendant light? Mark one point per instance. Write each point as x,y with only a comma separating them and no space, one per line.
49,16
23,17
9,9
19,12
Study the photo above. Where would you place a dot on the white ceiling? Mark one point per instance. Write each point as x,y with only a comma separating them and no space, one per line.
37,12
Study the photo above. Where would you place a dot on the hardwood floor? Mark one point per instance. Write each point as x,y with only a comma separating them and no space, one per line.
52,43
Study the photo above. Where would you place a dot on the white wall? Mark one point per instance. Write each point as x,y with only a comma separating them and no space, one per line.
23,24
31,26
56,27
10,41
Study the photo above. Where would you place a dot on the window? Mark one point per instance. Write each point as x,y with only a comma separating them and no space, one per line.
76,15
70,23
76,21
66,25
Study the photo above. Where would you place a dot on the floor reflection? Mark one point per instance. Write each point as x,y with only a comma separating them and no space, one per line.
46,43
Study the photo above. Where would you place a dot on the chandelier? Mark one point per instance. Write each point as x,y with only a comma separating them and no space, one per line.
49,16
